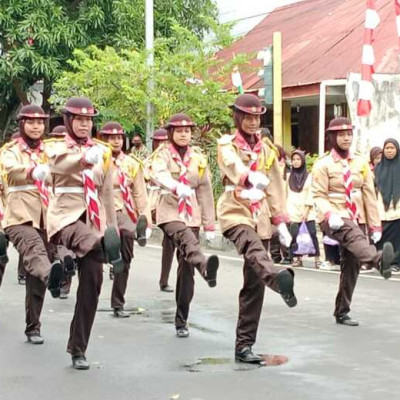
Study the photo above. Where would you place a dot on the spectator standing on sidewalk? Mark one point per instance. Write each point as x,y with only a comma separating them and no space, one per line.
387,178
300,205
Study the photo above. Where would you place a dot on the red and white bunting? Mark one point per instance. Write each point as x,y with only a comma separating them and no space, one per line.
397,7
366,88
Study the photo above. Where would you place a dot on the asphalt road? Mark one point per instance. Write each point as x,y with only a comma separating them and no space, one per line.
141,359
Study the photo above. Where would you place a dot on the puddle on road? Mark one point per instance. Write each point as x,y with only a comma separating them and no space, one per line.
213,364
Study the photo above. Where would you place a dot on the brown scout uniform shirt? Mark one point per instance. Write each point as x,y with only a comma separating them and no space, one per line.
234,160
163,168
64,157
133,170
22,199
329,190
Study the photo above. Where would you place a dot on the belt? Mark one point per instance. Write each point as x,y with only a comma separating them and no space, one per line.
117,190
153,188
230,188
69,189
341,195
23,188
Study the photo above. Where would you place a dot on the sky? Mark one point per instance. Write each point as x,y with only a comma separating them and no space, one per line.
237,9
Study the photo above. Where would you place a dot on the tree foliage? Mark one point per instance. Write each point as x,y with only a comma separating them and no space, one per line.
37,37
187,78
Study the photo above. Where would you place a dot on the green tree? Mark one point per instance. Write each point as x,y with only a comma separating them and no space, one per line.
188,78
37,37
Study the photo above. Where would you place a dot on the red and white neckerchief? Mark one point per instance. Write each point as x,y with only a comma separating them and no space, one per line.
185,209
89,186
348,185
351,206
125,189
34,156
255,206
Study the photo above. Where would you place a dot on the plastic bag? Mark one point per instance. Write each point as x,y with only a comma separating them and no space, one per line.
304,244
329,241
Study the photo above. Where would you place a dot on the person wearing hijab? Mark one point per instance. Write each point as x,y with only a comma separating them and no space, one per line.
81,214
185,203
300,205
26,200
344,196
387,181
160,138
131,207
375,156
253,196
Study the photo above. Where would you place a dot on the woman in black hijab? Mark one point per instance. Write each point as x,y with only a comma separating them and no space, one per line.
300,206
387,179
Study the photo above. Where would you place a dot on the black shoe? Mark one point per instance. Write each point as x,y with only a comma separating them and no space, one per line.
80,362
21,280
166,288
346,320
3,249
285,284
69,265
112,248
212,267
246,355
395,269
35,339
55,278
141,227
182,332
120,313
386,260
63,295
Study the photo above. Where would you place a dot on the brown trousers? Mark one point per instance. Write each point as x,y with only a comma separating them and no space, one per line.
66,282
21,269
190,257
258,271
32,246
79,238
355,250
127,232
2,270
168,250
37,255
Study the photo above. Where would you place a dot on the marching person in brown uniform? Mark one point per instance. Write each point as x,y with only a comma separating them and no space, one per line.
25,214
133,213
254,193
66,256
345,198
81,214
160,137
3,239
186,202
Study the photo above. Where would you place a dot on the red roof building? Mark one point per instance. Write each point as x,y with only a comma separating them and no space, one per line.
321,41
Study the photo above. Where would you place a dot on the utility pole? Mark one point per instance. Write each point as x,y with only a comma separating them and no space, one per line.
150,64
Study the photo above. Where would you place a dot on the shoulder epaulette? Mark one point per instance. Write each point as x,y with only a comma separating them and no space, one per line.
100,142
138,160
225,139
53,140
8,145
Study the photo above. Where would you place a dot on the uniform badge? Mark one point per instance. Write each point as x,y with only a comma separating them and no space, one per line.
184,122
84,110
